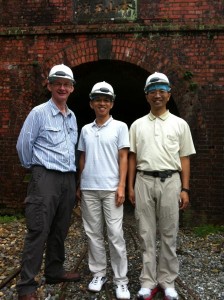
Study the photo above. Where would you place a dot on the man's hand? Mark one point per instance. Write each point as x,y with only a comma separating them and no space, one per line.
78,194
120,196
184,200
131,196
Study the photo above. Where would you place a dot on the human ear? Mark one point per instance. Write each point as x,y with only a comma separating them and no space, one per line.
49,87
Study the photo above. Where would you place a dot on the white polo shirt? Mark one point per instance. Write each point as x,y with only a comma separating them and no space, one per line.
159,142
101,146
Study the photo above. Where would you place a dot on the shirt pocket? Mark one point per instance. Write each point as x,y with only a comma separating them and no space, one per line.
72,134
54,135
172,143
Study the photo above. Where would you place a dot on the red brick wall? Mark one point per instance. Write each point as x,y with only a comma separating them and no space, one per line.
180,38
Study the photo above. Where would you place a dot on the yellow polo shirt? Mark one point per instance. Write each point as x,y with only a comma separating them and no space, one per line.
159,142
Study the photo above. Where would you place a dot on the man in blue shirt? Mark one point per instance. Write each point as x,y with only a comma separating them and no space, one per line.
46,145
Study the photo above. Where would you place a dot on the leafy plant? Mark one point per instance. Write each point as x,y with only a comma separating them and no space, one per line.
193,86
205,230
8,219
188,75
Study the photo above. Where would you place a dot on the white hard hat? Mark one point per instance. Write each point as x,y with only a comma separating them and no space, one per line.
61,71
156,78
102,88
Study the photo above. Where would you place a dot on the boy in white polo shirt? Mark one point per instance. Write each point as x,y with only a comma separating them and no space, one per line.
103,147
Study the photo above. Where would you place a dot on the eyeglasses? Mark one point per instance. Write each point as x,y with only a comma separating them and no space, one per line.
66,85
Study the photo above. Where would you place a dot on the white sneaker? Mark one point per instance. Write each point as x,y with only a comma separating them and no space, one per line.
96,284
170,294
147,294
122,292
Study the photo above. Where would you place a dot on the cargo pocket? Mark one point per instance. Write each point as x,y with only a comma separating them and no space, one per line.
34,213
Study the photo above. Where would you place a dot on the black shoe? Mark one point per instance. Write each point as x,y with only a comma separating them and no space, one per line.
67,277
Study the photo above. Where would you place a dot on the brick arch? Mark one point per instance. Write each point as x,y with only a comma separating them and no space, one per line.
133,52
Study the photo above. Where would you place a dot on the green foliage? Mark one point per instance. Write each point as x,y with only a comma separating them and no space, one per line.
27,178
35,63
205,230
8,219
188,75
193,86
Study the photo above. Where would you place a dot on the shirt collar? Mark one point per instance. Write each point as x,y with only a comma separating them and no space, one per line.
55,110
105,124
163,117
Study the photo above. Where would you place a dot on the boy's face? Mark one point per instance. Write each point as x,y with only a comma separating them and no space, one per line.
102,105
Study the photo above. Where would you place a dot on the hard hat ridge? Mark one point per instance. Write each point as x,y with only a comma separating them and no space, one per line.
102,88
61,71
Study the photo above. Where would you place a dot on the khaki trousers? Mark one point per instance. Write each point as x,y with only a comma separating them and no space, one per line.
98,208
157,205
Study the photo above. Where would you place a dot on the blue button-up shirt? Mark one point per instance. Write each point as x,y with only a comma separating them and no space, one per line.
48,138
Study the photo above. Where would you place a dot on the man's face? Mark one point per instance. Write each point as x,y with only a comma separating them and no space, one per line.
101,105
158,99
60,89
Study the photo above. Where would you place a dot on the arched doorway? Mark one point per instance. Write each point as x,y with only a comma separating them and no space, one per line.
128,81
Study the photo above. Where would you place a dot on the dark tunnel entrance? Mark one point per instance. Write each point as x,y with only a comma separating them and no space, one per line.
128,81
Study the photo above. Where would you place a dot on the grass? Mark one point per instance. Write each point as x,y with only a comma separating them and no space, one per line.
8,219
205,230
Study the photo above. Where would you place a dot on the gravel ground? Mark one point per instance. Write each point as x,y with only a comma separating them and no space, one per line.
201,262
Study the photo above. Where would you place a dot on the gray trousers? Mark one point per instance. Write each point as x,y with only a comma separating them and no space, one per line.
157,205
49,204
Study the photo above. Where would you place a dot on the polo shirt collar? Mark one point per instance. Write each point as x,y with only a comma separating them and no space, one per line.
163,117
105,124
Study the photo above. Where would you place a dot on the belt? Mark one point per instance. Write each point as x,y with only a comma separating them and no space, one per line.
52,170
162,174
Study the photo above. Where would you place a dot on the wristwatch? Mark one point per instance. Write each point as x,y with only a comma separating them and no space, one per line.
185,190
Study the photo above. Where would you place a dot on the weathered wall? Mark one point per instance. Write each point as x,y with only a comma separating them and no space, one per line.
184,39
